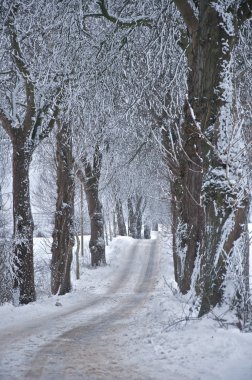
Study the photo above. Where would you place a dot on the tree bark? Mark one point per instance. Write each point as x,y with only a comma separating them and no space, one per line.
214,265
147,231
135,210
63,234
26,130
176,241
209,208
139,223
132,219
114,224
120,219
105,231
110,229
77,257
96,243
91,186
6,280
23,223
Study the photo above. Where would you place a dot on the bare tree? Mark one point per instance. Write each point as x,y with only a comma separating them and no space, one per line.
212,201
120,219
26,124
89,174
204,145
63,234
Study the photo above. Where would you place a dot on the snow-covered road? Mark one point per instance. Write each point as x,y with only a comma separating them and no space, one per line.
124,321
81,341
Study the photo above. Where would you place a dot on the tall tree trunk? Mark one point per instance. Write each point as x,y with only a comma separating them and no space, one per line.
77,256
24,286
132,219
63,234
1,203
176,241
24,140
224,200
27,125
135,210
120,219
187,211
6,280
147,231
105,230
110,229
81,221
221,246
114,224
139,222
96,243
92,177
211,208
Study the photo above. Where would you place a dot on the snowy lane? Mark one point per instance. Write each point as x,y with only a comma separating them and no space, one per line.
81,343
89,351
120,322
29,326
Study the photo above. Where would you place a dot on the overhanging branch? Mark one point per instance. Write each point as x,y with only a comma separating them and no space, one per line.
141,21
93,15
24,71
50,124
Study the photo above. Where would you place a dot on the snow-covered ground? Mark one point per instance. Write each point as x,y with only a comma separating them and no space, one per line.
134,331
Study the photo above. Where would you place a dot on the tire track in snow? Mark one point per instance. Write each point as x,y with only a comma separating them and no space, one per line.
118,284
87,351
29,338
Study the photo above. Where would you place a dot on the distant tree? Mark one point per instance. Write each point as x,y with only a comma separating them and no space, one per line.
89,175
136,206
120,219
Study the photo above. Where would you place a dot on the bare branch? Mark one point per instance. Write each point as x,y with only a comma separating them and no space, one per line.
141,21
94,15
139,148
188,15
39,120
22,68
50,125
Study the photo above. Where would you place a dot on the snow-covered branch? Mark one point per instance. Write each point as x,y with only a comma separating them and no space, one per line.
140,21
23,70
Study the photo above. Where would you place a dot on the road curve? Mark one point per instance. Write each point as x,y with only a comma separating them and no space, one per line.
84,340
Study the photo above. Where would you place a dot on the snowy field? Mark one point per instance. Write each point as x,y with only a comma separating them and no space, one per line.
157,339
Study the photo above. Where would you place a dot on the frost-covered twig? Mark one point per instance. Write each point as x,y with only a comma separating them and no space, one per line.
123,23
222,322
172,289
178,321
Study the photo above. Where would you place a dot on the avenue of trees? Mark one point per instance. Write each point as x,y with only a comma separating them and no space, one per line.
144,103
